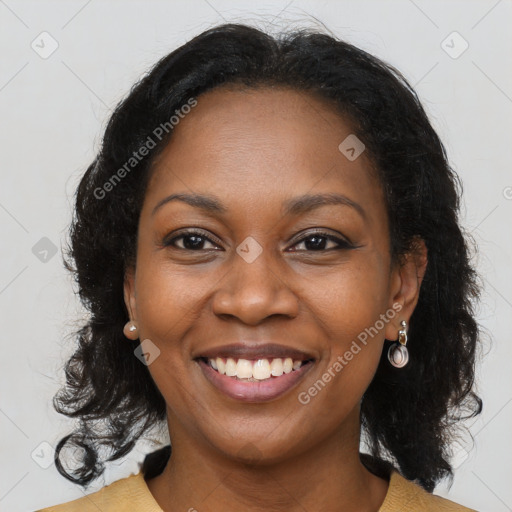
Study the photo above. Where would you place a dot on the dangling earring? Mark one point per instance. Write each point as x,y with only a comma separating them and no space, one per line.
130,330
398,355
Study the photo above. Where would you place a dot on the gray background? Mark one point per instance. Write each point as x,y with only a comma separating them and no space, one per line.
53,111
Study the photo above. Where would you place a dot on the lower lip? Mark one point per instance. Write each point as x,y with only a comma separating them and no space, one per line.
262,391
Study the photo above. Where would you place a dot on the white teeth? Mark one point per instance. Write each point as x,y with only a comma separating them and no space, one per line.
230,367
259,370
288,365
244,369
221,365
276,367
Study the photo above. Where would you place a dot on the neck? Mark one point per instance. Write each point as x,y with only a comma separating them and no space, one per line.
329,476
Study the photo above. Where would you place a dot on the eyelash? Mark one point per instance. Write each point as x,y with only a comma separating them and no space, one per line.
342,244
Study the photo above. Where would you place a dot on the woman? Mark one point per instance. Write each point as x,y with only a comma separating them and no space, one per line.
269,247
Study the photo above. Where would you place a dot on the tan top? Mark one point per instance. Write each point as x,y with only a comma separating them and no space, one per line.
131,494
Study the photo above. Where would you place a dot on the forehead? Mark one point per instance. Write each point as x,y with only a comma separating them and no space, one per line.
251,146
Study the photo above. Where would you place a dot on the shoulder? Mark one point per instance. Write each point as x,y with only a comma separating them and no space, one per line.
406,495
125,495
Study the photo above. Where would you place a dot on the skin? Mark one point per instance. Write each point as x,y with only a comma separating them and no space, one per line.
255,149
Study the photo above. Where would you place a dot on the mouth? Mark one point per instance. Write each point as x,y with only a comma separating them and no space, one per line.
254,370
257,379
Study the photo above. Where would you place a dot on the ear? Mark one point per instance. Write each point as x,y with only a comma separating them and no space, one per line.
406,281
129,293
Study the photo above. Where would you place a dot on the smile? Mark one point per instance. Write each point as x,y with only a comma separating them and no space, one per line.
260,369
255,380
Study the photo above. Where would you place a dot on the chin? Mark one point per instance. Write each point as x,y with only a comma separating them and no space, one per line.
255,451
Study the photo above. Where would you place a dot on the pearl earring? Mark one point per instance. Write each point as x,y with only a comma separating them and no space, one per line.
130,330
398,355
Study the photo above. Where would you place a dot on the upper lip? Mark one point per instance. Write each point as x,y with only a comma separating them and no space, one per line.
255,351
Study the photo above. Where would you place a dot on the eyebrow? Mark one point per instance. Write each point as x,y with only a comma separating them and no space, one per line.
295,206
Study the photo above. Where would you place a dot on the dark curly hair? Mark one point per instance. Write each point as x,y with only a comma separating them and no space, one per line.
408,416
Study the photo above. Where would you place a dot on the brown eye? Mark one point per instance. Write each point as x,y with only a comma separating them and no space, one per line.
318,241
191,241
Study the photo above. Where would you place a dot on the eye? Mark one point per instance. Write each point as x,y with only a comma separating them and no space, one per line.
192,240
318,240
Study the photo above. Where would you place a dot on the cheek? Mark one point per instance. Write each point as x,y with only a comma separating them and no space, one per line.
168,304
352,299
353,314
169,299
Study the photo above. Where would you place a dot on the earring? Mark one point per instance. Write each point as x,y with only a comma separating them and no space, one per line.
398,355
130,330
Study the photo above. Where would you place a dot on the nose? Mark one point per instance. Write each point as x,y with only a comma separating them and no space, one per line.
254,291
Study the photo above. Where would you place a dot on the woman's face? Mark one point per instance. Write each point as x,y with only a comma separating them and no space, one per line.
255,272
